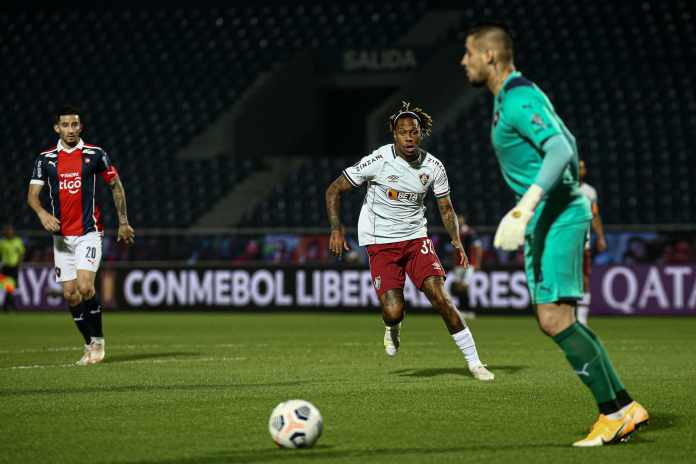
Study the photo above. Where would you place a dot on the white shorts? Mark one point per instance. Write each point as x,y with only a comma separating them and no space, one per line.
76,252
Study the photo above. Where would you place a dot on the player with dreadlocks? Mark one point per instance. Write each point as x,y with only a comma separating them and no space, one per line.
393,227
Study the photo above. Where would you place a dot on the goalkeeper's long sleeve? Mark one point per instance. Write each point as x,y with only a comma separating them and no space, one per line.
557,155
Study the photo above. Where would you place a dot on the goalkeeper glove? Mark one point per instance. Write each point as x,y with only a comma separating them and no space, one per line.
511,230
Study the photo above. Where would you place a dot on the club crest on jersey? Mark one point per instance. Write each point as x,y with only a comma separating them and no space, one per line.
378,282
424,178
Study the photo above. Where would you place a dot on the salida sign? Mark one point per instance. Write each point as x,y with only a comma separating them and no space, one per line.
392,59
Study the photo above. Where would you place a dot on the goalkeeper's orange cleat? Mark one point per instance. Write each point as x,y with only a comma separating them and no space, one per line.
638,414
606,431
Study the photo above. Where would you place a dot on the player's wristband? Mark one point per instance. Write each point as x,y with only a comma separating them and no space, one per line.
531,198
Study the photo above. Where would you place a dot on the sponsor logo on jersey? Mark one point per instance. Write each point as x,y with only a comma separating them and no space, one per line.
70,181
392,178
360,166
395,195
424,178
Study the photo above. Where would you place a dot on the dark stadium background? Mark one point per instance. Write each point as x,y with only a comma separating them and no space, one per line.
227,121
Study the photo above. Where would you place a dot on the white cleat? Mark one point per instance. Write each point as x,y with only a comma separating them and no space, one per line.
481,373
97,351
84,360
392,339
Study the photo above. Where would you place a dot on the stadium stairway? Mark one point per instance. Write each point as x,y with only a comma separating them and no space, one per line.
247,195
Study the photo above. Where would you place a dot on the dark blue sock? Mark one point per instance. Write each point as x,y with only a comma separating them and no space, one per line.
93,313
81,322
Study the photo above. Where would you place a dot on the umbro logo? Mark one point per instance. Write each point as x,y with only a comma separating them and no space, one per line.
393,178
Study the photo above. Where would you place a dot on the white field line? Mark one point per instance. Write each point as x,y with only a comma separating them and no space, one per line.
182,345
133,347
139,361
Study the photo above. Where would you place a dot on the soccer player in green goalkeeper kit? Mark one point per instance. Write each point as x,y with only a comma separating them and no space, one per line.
539,160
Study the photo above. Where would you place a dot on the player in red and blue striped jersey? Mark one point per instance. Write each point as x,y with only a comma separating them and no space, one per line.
71,169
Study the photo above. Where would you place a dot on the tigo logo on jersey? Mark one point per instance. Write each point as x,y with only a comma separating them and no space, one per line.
71,181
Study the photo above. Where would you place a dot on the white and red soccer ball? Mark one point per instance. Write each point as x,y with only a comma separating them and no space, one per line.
295,424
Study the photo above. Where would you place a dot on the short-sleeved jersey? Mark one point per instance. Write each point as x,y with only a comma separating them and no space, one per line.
590,192
71,177
11,251
523,120
393,209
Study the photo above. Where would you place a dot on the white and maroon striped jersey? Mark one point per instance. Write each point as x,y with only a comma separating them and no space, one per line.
393,209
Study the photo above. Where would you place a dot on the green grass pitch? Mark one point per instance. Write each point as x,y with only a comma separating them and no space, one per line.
198,389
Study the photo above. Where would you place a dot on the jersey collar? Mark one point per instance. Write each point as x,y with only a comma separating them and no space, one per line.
511,76
80,145
417,163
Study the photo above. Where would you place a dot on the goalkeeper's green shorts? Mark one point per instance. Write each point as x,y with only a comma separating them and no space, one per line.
553,262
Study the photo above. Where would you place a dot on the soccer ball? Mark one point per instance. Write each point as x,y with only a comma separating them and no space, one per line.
295,424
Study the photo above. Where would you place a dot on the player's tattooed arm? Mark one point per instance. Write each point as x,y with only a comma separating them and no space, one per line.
125,231
333,200
48,221
451,223
337,241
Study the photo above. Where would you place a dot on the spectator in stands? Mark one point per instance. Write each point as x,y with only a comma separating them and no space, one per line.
636,252
252,252
680,252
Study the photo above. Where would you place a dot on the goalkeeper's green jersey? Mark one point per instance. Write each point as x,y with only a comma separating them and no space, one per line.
523,119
